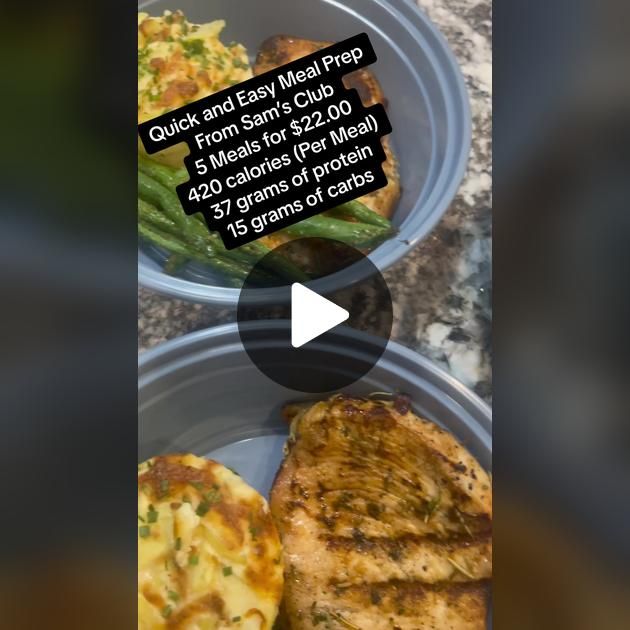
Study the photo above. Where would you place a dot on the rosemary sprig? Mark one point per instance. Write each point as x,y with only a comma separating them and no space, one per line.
432,506
343,622
461,569
460,516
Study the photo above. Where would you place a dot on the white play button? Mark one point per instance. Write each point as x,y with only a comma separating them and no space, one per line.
312,315
299,337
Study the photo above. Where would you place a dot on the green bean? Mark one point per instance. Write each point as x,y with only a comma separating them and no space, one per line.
361,213
161,197
156,192
166,175
151,190
157,184
170,178
354,234
166,241
154,222
169,242
150,214
193,228
285,267
234,273
190,229
174,263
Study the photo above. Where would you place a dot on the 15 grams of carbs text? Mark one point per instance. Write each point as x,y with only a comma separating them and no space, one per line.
280,147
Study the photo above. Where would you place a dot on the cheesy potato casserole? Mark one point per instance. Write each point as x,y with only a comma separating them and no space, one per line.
180,62
209,555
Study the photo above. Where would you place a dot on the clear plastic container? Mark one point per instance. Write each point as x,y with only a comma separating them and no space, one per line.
200,393
428,108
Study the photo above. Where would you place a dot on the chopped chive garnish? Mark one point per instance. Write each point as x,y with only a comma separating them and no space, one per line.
152,515
213,496
193,47
144,531
202,508
140,518
227,571
164,487
166,611
178,544
237,618
173,595
193,560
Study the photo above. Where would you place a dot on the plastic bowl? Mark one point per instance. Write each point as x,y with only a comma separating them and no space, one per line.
428,109
200,393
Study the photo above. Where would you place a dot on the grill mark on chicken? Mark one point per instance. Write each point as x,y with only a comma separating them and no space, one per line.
399,590
406,540
404,600
403,539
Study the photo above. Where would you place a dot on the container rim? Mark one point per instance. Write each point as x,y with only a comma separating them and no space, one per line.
415,21
228,334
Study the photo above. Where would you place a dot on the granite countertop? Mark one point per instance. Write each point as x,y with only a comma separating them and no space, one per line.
442,289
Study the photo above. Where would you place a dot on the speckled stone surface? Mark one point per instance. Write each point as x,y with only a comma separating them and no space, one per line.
441,290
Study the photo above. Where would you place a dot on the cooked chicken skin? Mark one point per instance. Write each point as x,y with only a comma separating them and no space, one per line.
281,49
385,521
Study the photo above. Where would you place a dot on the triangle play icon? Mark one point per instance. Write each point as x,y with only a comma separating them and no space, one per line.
312,315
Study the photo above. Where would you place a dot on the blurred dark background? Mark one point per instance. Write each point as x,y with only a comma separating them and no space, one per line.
68,268
561,264
68,278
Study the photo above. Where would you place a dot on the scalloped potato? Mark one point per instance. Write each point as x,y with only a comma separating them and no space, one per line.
209,555
180,62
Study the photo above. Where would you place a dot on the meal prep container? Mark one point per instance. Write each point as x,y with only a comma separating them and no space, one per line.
428,109
200,393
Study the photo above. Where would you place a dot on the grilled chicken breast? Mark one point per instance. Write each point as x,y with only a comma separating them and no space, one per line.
281,49
385,521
